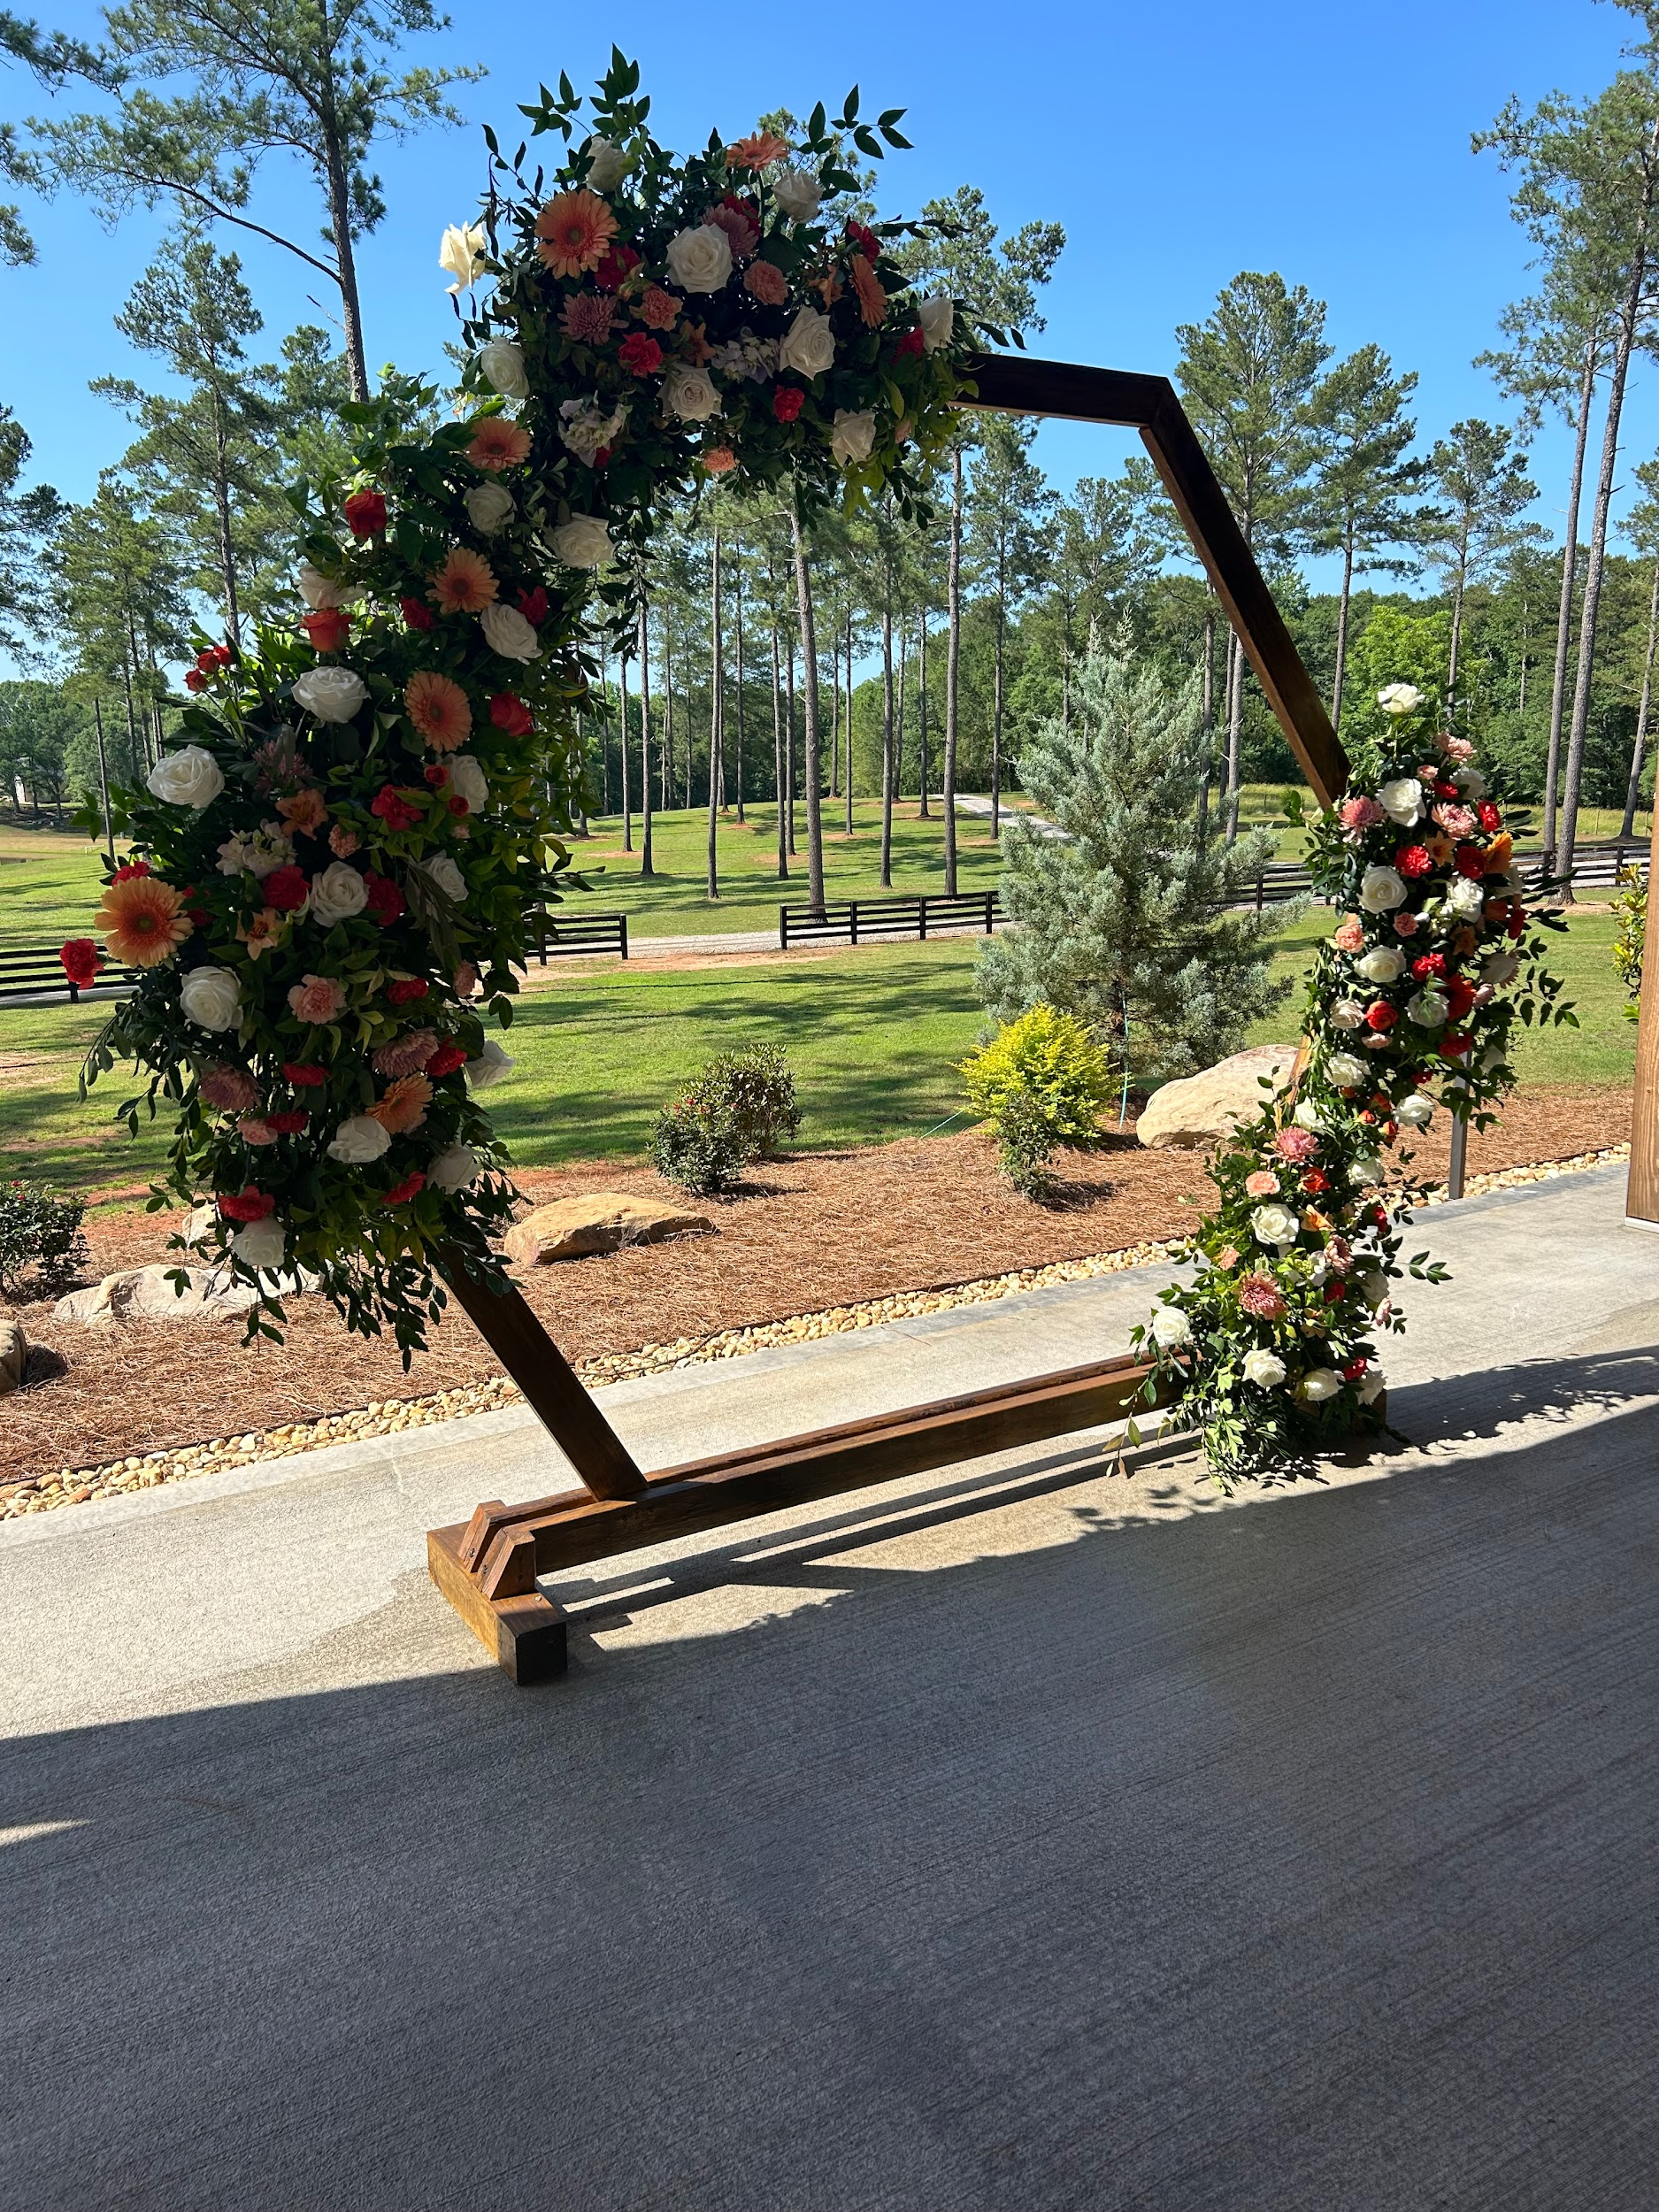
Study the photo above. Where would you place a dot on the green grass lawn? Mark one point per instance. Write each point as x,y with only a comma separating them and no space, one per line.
50,883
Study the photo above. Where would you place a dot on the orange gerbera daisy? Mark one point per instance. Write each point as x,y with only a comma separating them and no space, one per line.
573,232
872,301
465,584
438,708
758,149
141,921
498,444
405,1105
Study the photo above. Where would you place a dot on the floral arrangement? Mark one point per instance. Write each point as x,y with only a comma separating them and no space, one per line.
336,871
1270,1355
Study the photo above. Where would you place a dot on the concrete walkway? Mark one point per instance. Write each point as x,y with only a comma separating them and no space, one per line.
1022,1836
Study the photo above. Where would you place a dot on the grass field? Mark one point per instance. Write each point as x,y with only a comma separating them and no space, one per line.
872,1036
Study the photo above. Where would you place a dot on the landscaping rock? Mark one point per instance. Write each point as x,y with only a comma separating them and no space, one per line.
598,1221
14,1355
1201,1109
146,1294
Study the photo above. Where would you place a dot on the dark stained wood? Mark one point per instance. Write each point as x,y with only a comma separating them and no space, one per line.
1010,384
509,1568
508,1325
526,1636
1641,1204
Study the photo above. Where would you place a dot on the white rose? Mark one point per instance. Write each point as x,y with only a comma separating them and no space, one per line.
1320,1383
454,1169
359,1140
442,871
501,364
261,1245
1371,1386
1402,801
190,777
490,1066
1471,782
319,591
461,251
852,437
1366,1171
1348,1014
468,781
1265,1369
798,193
1399,698
1171,1326
700,260
1500,968
337,893
1428,1009
1417,1111
607,165
1306,1117
490,508
1464,898
1382,964
690,392
1381,889
212,998
332,694
1275,1224
509,633
937,315
583,543
1345,1071
809,344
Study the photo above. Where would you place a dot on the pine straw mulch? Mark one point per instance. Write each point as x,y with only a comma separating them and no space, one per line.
809,1232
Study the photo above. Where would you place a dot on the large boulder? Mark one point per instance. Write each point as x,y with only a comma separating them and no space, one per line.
147,1293
597,1221
1201,1109
14,1355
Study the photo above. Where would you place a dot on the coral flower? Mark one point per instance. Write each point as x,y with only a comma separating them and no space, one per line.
509,712
328,629
658,310
316,998
304,812
764,281
80,957
1498,855
872,301
717,459
438,708
465,584
1263,1184
498,444
405,1105
573,232
142,922
758,151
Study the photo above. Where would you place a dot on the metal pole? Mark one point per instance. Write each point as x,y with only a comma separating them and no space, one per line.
1460,1148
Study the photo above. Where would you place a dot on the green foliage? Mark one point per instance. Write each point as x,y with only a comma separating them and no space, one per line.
40,1229
1399,645
1631,909
1040,1082
739,1109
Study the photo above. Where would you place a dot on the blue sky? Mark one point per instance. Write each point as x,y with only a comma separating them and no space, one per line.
1177,145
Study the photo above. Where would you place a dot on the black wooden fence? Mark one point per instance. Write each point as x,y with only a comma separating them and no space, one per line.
863,921
561,936
38,972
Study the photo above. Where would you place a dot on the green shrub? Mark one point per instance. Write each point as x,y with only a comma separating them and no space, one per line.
739,1109
1040,1082
40,1230
1291,806
1631,908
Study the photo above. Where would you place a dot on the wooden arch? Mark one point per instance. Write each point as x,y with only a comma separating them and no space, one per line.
487,1566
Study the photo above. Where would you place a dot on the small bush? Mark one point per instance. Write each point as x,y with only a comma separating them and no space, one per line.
41,1231
1291,805
1040,1082
739,1109
1630,908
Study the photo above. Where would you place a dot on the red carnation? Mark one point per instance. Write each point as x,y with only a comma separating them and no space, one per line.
1491,819
1413,860
286,889
1355,1369
1334,1294
130,868
401,1193
445,1061
247,1205
640,352
329,629
509,712
532,606
393,808
80,957
195,680
385,902
1460,997
1454,1045
914,340
288,1124
302,1075
1381,1015
615,269
1470,861
365,513
788,400
406,989
1428,964
417,614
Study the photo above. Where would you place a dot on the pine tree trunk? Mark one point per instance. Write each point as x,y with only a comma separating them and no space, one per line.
646,869
221,507
1458,589
789,747
1569,569
777,746
886,727
1633,789
337,169
668,712
814,762
898,727
1235,733
627,802
1209,714
1341,627
921,711
849,726
737,594
996,724
953,669
716,711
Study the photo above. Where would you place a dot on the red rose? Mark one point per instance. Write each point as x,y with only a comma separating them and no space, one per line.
1355,1369
223,655
365,513
601,458
247,1205
385,902
437,774
1445,790
417,614
406,988
393,808
1381,1015
641,353
787,401
457,806
1413,860
509,712
1491,819
302,1075
913,341
80,957
614,270
195,680
1428,964
289,1123
445,1061
285,888
532,607
401,1193
866,241
328,629
1517,922
1460,997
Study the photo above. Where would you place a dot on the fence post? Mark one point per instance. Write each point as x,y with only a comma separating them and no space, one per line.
921,905
624,920
852,908
1260,882
783,928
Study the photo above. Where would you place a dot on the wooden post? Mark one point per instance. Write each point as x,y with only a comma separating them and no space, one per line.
1641,1202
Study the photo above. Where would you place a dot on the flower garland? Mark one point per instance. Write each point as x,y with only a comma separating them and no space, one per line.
1270,1355
335,873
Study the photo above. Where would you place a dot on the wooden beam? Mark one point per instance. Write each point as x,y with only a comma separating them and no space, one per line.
526,1636
1010,384
1641,1202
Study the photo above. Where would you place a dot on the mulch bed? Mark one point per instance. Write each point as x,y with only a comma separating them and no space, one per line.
809,1232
